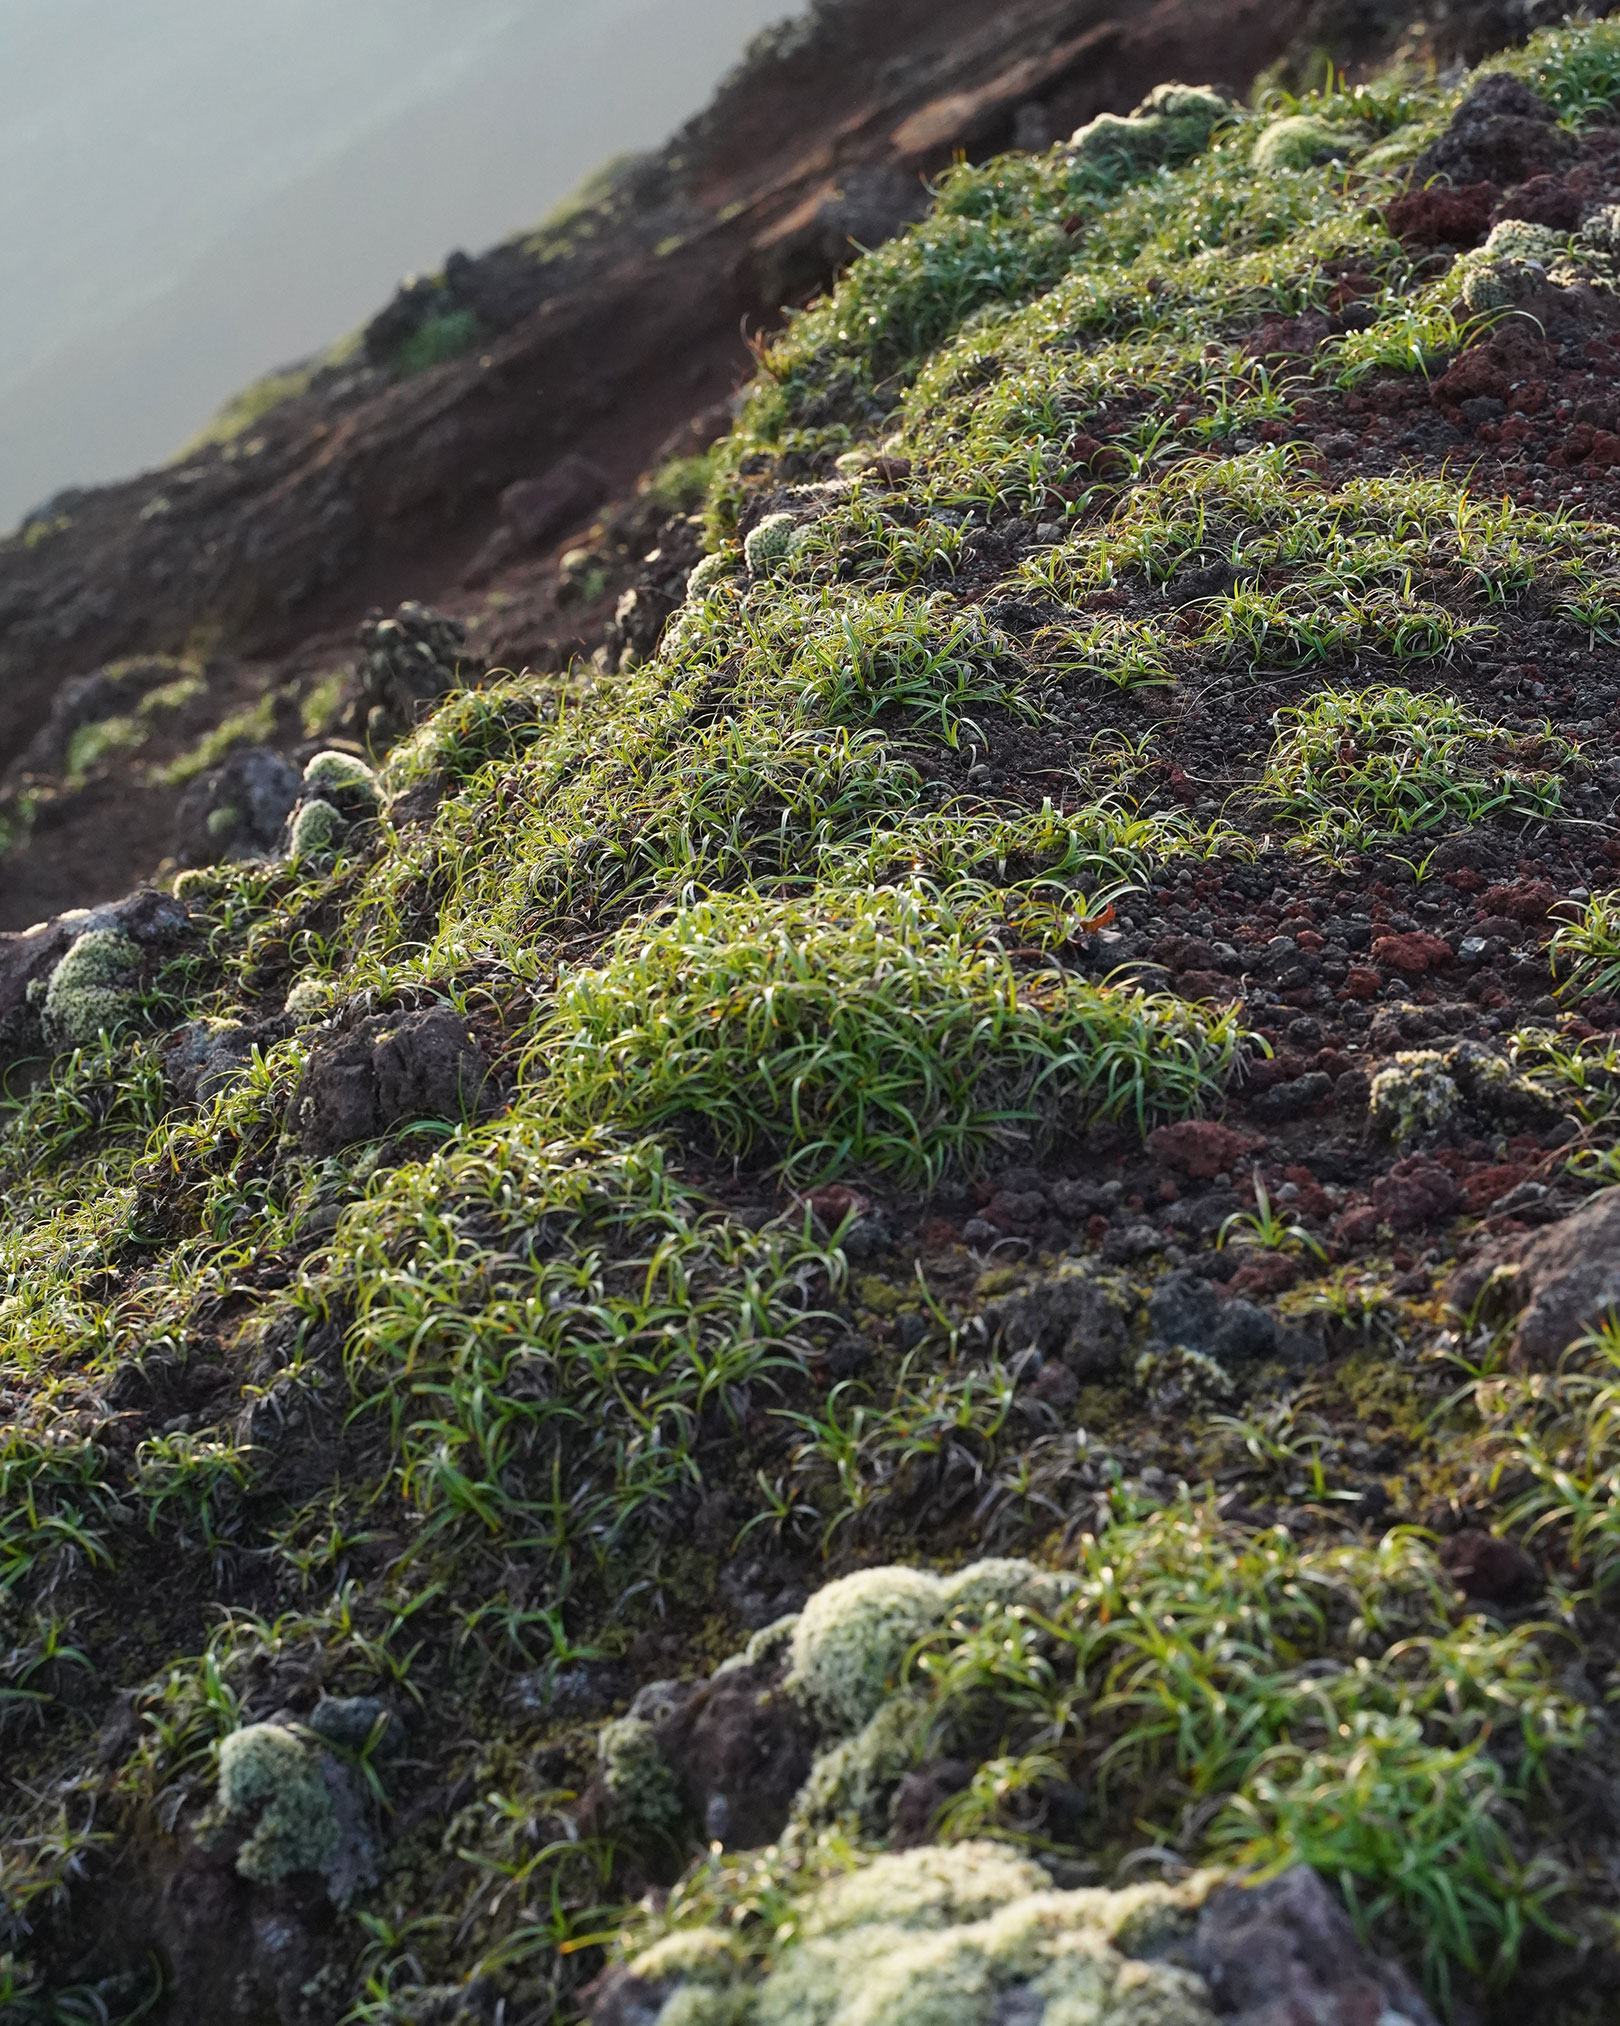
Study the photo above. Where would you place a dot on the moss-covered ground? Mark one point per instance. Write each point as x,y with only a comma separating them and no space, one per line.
1137,684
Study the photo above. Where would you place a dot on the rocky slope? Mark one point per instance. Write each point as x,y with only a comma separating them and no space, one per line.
899,1305
566,357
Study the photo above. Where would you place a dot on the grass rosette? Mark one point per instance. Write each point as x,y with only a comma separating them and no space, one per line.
864,1030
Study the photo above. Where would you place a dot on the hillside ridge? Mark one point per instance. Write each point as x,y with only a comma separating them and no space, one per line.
895,1305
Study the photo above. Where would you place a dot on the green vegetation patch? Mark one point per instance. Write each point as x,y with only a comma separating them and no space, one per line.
1390,762
873,1030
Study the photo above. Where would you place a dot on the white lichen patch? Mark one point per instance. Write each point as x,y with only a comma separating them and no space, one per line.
959,1936
271,1772
1413,1095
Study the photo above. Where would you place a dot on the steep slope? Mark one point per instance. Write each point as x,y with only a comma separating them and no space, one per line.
379,475
778,1316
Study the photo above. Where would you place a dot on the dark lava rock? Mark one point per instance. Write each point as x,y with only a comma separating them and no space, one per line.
534,510
740,1750
1201,1150
914,1811
1544,200
761,1588
237,810
392,1067
1415,1192
407,663
1488,1569
1070,1317
1441,217
205,1057
1559,1283
1283,1953
1501,133
1185,1309
1293,1099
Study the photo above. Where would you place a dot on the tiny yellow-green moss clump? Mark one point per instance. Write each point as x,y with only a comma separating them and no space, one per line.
92,990
274,1773
318,829
346,782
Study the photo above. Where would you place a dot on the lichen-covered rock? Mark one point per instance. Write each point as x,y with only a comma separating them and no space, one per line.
975,1935
1425,1089
964,1936
272,1774
1413,1095
93,990
642,1795
1171,125
1303,140
766,548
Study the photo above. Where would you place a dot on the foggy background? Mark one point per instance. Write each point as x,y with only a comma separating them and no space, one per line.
194,192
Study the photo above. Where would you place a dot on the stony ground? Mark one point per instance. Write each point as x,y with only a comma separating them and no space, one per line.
898,1306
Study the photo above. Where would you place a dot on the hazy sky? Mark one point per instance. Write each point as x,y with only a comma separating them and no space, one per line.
195,191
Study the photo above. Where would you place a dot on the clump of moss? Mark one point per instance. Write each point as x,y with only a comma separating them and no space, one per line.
345,781
1516,260
317,830
1414,1094
948,1937
92,990
271,1772
1304,140
643,1798
1424,1089
851,1640
766,548
1171,125
707,576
